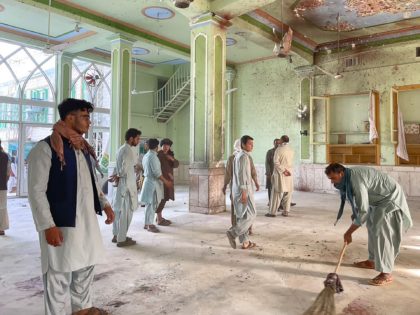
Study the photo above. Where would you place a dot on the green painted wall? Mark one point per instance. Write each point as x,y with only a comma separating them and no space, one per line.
409,102
379,69
178,129
142,104
265,103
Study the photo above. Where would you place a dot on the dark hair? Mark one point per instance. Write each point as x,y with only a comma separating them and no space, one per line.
71,104
275,140
132,133
285,139
166,141
244,139
334,168
152,143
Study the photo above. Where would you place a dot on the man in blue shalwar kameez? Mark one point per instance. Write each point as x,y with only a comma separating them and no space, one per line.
378,200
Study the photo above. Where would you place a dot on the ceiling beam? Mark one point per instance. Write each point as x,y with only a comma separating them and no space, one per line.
97,21
257,28
234,8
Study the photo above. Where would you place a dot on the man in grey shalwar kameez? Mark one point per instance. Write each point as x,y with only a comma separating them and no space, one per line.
378,200
243,196
125,200
152,189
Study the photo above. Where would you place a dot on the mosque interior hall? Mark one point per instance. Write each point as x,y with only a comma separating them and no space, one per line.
339,79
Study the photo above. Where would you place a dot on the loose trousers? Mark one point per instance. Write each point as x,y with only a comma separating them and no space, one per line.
59,285
384,240
122,220
277,198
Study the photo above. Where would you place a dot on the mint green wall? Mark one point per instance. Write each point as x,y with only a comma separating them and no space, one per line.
265,103
142,104
380,69
305,94
178,129
409,102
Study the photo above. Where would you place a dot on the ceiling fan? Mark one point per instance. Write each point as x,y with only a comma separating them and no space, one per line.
52,49
283,45
134,91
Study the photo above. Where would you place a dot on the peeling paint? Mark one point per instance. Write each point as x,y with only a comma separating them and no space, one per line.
308,5
373,7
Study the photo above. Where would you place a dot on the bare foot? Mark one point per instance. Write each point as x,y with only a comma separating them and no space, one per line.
365,264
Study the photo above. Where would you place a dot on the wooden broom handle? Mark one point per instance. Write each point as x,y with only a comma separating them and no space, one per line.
341,257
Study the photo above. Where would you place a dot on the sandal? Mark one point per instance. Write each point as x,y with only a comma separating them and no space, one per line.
365,264
152,228
165,222
381,280
249,246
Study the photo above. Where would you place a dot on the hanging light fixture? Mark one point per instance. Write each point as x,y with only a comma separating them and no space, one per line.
338,75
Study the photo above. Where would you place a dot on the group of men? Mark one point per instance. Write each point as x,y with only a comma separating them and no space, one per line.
65,197
156,189
240,175
375,198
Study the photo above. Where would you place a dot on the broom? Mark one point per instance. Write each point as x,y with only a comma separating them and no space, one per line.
324,303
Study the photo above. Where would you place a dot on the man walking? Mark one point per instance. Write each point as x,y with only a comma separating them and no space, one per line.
152,190
168,163
125,201
378,200
243,196
5,170
282,179
65,199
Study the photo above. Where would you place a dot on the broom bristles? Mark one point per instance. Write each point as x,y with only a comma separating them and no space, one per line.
324,303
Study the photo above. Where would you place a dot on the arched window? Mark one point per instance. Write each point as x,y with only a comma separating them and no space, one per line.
91,81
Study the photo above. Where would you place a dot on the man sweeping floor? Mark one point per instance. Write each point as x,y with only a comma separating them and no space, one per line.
378,200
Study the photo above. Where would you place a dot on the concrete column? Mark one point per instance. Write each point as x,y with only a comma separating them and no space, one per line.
120,92
208,63
230,76
63,79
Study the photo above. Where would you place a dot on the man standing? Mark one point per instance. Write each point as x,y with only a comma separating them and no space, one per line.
168,163
65,199
152,190
243,196
282,179
269,166
125,201
4,177
228,179
378,200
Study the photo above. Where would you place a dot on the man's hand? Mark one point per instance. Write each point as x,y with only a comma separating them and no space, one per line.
224,190
257,186
347,237
349,232
168,183
287,173
244,197
54,236
110,216
170,158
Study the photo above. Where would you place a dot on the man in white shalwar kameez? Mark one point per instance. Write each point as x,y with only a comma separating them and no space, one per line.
152,190
282,178
65,199
378,200
243,196
125,200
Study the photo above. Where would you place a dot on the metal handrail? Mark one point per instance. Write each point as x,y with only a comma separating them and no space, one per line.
177,82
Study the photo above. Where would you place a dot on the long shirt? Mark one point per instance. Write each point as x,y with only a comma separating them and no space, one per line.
242,181
378,192
152,186
82,245
283,160
127,186
229,171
